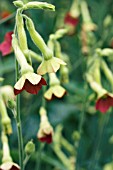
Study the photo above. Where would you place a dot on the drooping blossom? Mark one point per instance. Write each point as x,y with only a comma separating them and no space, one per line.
50,66
55,89
5,46
30,82
45,133
7,162
104,103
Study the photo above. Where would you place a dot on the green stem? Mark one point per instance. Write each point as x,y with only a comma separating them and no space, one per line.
18,123
96,155
39,156
82,117
26,160
35,56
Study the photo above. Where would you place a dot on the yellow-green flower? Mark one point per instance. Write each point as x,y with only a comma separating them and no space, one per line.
50,66
55,90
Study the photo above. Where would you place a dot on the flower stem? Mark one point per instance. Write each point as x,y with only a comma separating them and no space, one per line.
18,123
96,154
80,128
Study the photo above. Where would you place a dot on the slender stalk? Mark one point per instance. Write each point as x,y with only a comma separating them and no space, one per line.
80,128
96,155
39,156
18,123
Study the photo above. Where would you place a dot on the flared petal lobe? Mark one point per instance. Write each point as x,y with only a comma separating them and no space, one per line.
50,66
104,103
29,82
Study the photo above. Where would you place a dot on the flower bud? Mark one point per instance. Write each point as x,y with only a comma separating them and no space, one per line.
39,5
18,3
29,148
22,35
37,39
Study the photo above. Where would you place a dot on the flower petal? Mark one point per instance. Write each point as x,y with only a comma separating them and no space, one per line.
33,78
48,94
47,139
19,85
42,68
58,60
103,104
30,88
59,91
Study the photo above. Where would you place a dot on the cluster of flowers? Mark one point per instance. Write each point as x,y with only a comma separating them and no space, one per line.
30,81
27,79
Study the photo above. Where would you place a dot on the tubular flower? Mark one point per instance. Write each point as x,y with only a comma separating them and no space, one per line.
50,66
104,102
7,163
30,82
5,46
55,90
45,132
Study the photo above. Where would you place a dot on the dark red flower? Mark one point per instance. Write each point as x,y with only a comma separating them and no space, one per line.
104,103
6,46
47,138
30,82
71,20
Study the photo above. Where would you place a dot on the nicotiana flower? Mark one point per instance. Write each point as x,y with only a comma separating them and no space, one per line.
50,66
30,82
9,166
55,90
104,102
45,132
5,46
7,163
